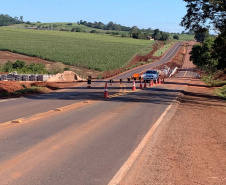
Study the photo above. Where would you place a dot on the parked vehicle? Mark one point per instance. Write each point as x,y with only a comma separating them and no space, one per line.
151,75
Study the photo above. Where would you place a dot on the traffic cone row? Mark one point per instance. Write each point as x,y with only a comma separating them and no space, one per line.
152,82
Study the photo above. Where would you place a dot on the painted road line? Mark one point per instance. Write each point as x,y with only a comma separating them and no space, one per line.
185,73
130,161
47,114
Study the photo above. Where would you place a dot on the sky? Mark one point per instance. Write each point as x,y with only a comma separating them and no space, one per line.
165,15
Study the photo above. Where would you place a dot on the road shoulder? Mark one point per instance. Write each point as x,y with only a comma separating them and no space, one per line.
189,147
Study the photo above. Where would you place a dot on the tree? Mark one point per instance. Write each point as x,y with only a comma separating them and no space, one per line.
19,64
201,12
37,68
164,36
220,50
21,19
156,35
176,37
110,25
93,31
201,35
6,20
204,14
134,32
77,29
201,55
8,67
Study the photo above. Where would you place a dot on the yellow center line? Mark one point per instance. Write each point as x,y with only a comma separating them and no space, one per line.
45,114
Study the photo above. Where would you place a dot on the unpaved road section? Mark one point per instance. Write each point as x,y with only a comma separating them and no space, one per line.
188,148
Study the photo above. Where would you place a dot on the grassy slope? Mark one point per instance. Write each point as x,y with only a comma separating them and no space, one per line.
96,51
163,49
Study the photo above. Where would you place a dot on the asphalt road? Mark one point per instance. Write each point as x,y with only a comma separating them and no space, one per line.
81,145
166,58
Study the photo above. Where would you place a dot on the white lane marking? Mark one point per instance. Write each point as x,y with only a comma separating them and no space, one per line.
128,164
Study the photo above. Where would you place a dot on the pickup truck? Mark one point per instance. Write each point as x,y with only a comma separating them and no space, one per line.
151,75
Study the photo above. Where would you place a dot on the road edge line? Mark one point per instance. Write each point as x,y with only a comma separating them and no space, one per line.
132,158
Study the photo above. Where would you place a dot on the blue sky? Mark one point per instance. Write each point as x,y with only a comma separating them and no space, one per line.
162,14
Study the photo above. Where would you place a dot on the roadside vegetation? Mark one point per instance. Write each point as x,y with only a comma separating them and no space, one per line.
25,90
22,68
209,55
221,92
162,50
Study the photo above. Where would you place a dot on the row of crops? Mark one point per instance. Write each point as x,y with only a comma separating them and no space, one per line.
94,51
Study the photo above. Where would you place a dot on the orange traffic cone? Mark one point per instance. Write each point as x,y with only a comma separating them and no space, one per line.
160,81
145,84
150,84
141,85
156,82
106,91
134,86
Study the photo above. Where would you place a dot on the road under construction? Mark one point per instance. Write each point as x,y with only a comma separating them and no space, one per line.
75,136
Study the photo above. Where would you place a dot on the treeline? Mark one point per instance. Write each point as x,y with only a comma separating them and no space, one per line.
156,34
6,20
109,26
134,32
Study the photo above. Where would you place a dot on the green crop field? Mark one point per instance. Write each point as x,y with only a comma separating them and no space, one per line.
96,51
183,37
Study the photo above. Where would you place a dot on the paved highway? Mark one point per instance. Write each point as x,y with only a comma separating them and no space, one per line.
166,58
86,143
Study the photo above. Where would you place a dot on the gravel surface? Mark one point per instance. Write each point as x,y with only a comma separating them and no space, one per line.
190,145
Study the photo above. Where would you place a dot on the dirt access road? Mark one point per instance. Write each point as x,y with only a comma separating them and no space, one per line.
189,147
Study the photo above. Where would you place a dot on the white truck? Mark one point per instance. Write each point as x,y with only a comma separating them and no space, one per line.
151,75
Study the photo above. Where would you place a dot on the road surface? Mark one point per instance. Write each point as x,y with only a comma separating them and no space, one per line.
86,142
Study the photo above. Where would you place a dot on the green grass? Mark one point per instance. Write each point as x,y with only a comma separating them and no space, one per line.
146,50
213,83
182,37
161,51
221,92
94,51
